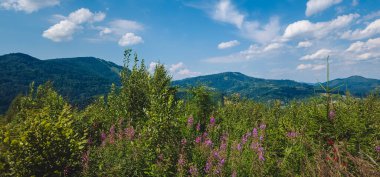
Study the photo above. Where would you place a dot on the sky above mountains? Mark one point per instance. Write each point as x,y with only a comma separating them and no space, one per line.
277,39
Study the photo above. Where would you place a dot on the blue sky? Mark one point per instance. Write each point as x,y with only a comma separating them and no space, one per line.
276,39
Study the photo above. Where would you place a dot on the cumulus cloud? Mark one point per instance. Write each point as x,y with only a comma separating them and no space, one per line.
254,51
369,49
305,28
179,71
188,73
65,29
316,6
371,30
175,67
229,44
225,11
310,66
121,26
304,44
129,39
272,46
152,66
320,54
262,33
27,6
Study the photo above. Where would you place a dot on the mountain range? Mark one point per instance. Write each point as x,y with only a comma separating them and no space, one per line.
81,79
76,79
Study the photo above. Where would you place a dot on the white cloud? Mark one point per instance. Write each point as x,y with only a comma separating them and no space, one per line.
62,31
272,46
105,31
320,54
304,44
305,28
356,47
225,11
188,73
229,44
371,30
129,39
180,71
254,51
27,6
152,66
122,26
304,66
316,6
364,50
261,33
310,66
65,29
175,67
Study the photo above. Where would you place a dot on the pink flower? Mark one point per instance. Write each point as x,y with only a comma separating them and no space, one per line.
212,121
129,132
198,128
238,147
263,126
103,137
193,170
332,114
183,141
292,134
208,143
190,121
198,139
254,132
234,174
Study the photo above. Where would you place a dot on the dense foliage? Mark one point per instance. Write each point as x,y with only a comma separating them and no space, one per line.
143,129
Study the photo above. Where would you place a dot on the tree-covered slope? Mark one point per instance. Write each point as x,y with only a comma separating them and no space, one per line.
267,89
250,87
357,85
77,79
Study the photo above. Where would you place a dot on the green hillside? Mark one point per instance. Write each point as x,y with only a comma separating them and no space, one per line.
77,79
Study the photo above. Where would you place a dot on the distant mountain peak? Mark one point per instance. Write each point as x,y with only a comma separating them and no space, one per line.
19,56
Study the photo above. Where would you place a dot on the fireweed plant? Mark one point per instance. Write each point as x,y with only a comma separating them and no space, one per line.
143,129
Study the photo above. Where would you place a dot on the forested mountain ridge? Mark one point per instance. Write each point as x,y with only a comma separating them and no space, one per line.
77,79
81,79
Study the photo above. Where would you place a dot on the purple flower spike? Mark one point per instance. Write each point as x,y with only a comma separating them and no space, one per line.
190,121
263,126
212,121
377,148
292,134
208,143
183,142
103,138
198,127
332,114
198,139
193,170
254,132
238,147
234,174
207,167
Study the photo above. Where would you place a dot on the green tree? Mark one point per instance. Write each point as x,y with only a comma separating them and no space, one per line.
41,139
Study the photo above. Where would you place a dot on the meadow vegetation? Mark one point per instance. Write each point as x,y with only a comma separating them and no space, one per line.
143,129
